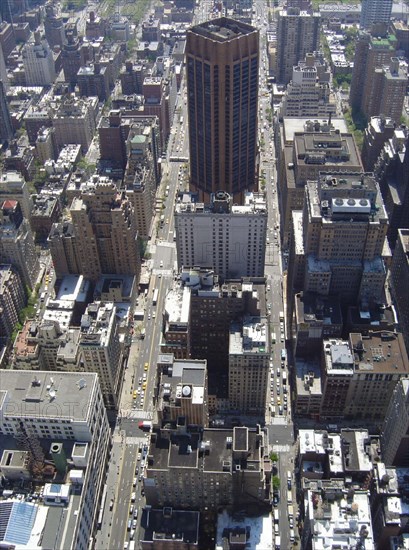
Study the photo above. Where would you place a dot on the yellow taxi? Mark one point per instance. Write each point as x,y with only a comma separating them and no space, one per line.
144,386
146,366
135,394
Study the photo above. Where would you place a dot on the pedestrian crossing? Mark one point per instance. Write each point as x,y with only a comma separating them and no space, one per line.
281,448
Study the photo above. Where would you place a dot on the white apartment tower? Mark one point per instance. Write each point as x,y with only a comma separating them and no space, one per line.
227,238
38,62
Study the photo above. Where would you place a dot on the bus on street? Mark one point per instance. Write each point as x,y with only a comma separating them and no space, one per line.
155,297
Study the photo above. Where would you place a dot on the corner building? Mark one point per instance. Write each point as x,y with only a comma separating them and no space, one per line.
222,84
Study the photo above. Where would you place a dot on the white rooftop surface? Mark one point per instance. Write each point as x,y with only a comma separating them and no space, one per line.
253,338
261,533
365,463
56,490
73,288
61,311
344,529
297,216
311,442
198,395
335,459
296,124
177,305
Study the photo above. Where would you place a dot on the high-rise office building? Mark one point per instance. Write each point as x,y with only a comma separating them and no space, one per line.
222,57
54,25
298,33
375,11
6,127
12,300
140,180
102,237
100,349
395,432
372,53
76,430
17,243
249,356
3,69
399,281
340,238
309,93
38,62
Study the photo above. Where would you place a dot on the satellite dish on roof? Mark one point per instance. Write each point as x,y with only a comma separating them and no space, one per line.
186,391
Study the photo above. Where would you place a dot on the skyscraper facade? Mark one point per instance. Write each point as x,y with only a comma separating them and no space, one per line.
6,127
342,235
372,53
375,11
222,57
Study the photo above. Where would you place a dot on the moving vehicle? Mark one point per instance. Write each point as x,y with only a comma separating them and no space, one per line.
145,425
146,366
155,297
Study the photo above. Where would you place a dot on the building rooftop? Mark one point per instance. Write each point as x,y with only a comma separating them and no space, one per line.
338,357
379,352
256,530
221,203
170,525
211,450
223,29
41,394
338,521
249,337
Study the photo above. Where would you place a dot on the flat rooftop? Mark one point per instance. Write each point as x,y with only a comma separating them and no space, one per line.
42,394
223,29
384,352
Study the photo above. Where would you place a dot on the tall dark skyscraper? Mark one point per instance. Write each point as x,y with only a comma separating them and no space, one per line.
222,57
